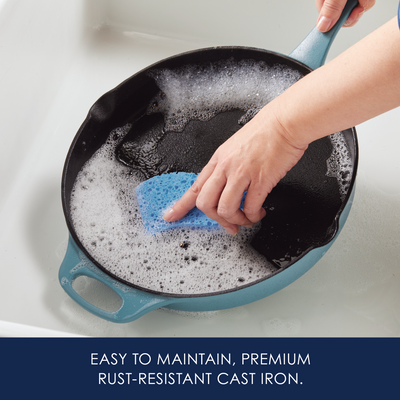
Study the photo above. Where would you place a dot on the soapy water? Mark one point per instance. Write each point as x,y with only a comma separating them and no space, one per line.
106,217
199,92
105,210
339,164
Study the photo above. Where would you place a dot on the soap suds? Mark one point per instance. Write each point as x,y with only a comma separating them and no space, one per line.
106,217
202,91
104,206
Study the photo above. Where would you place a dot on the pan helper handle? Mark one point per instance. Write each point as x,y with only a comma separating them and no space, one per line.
135,303
314,49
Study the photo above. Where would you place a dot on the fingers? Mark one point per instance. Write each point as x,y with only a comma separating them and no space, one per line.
358,12
330,11
188,200
224,207
255,198
205,194
183,205
230,202
367,4
221,201
209,201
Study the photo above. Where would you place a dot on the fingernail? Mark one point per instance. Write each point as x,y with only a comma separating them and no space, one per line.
231,231
324,24
168,215
248,226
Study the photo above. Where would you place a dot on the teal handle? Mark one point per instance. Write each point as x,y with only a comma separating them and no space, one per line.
313,50
135,303
398,15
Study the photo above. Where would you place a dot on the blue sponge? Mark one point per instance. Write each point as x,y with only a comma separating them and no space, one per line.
158,194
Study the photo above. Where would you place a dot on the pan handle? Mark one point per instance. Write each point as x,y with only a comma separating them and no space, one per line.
313,50
135,303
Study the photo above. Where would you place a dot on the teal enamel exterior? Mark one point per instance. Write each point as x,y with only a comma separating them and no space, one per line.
135,303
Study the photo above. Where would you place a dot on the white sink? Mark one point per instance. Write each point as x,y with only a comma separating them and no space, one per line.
58,57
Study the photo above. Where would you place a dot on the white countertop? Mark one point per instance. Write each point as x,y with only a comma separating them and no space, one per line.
59,57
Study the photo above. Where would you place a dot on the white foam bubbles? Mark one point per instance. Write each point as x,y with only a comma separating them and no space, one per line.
105,215
340,164
104,207
201,91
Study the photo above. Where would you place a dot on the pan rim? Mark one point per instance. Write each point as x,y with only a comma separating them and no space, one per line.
65,201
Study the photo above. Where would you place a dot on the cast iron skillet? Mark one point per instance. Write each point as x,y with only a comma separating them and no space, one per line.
309,212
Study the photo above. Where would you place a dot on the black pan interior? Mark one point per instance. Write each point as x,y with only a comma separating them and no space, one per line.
302,210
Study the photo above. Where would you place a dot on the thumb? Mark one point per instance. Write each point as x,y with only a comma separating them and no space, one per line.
329,14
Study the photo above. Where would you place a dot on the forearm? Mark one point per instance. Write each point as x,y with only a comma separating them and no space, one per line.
361,83
358,85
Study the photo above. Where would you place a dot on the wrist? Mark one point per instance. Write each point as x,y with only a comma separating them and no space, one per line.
276,117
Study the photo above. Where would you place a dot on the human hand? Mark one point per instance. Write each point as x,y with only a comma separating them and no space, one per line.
330,10
255,159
